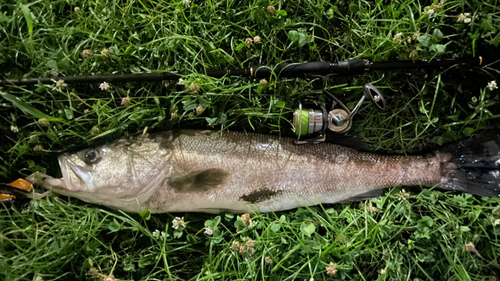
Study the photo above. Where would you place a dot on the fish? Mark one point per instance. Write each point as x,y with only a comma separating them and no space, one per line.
237,172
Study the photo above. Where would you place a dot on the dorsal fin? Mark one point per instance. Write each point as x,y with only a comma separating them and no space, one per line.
348,140
199,180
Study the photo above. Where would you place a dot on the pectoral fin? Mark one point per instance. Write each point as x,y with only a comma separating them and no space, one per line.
199,180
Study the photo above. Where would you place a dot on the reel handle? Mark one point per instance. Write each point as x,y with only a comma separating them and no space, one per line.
378,99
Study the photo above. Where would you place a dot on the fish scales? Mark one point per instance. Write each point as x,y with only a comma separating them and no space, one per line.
203,171
293,175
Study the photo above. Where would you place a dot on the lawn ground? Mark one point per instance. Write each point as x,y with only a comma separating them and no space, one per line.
413,234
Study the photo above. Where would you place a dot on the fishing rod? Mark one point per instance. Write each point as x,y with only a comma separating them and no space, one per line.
310,122
306,70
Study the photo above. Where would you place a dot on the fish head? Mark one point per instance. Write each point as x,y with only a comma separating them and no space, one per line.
98,170
124,172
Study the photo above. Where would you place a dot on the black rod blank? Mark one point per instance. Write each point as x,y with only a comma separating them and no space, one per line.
293,70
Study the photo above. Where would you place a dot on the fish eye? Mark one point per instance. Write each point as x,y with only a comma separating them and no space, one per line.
91,156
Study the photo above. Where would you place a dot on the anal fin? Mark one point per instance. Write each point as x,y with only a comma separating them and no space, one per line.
376,193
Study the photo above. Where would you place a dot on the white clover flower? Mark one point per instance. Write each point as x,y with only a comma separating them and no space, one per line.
125,101
104,86
492,85
208,231
106,53
181,81
264,83
235,246
186,3
43,122
86,53
38,147
403,195
252,224
60,84
398,38
464,17
331,269
156,233
194,88
14,129
177,222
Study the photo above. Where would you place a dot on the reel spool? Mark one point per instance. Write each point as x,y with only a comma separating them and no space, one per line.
314,122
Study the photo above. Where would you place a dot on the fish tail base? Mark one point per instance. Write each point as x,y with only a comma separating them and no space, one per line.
473,166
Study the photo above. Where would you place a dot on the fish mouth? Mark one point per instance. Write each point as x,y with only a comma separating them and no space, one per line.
71,173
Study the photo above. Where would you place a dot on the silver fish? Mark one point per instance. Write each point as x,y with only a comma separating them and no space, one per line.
203,171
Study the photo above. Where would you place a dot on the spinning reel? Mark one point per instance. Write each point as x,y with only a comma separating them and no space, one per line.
312,122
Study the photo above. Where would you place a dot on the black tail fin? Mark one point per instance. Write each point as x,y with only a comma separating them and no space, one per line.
476,165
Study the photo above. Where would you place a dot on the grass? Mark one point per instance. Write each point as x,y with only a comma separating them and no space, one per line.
420,237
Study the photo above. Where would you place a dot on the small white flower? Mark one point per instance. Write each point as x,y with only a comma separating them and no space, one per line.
38,147
470,247
43,122
464,17
497,222
269,260
474,99
177,222
14,129
181,81
492,85
331,269
60,84
194,88
208,231
186,3
414,55
403,195
199,110
125,101
264,83
104,86
106,53
398,38
430,12
252,224
87,53
235,245
156,233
